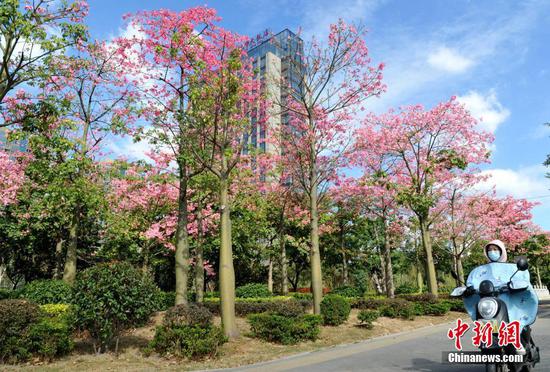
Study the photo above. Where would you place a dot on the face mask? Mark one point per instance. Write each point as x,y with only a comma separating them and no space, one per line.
493,255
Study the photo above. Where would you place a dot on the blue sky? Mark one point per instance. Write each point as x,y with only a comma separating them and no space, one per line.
493,55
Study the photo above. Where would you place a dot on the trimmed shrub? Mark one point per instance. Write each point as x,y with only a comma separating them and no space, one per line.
335,310
455,305
49,338
187,331
16,318
253,290
61,312
438,308
398,308
245,308
366,317
109,298
347,291
190,341
283,330
368,303
424,297
187,315
26,330
406,289
47,292
301,296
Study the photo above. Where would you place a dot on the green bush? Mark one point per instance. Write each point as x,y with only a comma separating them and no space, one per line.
347,291
398,308
50,338
165,300
438,308
243,309
187,315
61,312
406,289
368,303
335,310
283,330
301,296
455,305
16,318
190,341
111,297
26,330
8,294
253,290
47,292
366,317
423,297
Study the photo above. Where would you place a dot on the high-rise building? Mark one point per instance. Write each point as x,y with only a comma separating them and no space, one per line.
276,57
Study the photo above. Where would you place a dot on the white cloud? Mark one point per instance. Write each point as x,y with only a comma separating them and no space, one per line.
126,148
485,108
449,60
529,183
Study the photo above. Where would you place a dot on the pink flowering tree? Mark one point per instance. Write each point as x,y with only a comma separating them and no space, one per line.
225,100
331,82
12,176
143,201
161,59
429,148
27,41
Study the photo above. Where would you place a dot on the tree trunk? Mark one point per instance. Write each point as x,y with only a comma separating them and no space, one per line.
430,266
460,269
58,259
284,275
199,260
419,278
345,273
315,257
377,284
383,270
539,282
227,272
388,270
69,272
270,276
182,241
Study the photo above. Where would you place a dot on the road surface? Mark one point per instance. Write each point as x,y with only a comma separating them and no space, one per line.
420,350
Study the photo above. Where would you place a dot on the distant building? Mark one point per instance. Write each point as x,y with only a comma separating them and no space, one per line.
275,59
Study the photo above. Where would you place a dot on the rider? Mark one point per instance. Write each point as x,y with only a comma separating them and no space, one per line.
495,251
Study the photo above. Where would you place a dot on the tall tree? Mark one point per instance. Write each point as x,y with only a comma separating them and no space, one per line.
330,83
225,99
162,57
429,148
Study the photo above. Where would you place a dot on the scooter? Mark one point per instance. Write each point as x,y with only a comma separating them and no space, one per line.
494,293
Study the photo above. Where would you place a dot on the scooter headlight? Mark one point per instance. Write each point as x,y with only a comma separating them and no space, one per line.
487,307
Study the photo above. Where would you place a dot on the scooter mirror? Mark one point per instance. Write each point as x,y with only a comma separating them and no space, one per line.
522,263
458,291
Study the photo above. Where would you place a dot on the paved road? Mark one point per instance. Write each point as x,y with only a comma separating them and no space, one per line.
411,351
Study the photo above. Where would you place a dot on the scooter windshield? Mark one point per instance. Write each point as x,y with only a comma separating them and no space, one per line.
522,305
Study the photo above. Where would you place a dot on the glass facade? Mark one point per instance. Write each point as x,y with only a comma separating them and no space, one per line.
288,47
